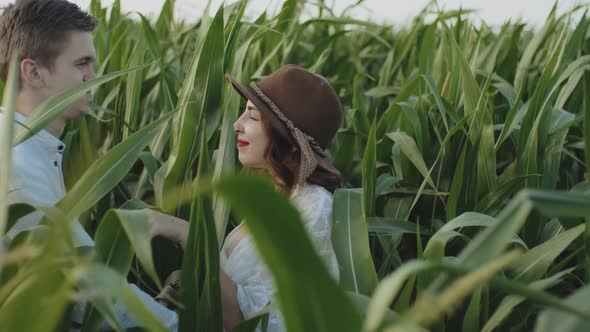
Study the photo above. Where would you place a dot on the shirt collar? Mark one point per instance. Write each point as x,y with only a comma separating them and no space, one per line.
50,142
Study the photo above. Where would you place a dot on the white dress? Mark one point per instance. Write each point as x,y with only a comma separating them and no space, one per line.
240,260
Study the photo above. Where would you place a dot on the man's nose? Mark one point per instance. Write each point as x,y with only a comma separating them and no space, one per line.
90,74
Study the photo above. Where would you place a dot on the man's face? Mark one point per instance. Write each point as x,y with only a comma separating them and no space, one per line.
74,65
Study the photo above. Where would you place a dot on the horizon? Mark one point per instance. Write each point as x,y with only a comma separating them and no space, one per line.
532,12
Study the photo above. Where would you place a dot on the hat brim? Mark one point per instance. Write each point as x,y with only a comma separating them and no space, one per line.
248,94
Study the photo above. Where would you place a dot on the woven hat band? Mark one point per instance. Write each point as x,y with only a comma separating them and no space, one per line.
307,144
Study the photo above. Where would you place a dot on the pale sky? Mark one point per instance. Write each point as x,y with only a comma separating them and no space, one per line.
494,12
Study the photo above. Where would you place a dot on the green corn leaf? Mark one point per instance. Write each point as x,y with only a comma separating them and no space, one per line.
7,125
351,242
108,171
53,107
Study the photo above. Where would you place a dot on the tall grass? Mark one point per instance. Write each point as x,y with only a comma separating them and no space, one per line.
464,150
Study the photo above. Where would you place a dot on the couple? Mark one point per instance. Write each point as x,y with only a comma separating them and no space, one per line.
290,118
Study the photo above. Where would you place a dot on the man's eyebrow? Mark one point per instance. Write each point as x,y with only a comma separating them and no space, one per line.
87,58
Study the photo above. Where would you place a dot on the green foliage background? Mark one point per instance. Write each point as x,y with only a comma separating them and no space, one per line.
463,149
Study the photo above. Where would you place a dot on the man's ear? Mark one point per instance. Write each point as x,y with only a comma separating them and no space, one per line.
29,73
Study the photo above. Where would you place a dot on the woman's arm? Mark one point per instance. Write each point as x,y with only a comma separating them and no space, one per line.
176,229
170,227
232,315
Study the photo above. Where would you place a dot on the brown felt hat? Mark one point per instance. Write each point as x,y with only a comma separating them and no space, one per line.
303,107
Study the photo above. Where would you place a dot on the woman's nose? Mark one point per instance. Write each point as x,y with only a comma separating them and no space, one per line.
238,127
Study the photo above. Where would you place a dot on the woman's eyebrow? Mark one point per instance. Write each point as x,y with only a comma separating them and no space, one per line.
251,108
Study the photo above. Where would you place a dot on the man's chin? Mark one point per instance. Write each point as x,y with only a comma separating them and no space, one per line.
77,112
85,111
84,105
83,108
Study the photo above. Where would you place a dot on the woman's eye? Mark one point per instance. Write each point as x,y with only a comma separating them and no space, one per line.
253,118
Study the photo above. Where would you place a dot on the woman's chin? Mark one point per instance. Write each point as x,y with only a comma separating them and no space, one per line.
250,163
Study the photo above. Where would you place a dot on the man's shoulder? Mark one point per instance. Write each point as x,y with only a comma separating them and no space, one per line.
27,153
29,147
31,174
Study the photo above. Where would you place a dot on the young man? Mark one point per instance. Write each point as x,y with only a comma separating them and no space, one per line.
53,39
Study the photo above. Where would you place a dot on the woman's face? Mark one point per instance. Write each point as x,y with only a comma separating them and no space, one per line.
252,138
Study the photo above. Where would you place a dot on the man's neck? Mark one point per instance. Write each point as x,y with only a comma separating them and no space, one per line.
25,105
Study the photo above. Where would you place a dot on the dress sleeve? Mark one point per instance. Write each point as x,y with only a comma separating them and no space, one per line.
315,207
256,289
255,293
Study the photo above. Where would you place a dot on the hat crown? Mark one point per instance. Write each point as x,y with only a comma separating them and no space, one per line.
307,99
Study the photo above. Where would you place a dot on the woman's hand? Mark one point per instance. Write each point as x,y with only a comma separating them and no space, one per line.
169,227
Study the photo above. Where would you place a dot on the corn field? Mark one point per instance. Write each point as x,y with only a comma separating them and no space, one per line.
464,152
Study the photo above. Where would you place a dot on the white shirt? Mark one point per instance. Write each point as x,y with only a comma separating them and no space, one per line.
37,179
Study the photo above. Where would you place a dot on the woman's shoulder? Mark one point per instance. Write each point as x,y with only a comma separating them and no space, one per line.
315,205
311,194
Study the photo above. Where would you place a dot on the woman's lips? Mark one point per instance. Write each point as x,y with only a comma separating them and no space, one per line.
242,143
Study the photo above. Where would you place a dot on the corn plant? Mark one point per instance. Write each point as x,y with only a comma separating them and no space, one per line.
464,152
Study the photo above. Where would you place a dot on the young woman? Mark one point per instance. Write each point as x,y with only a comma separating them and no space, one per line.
290,118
